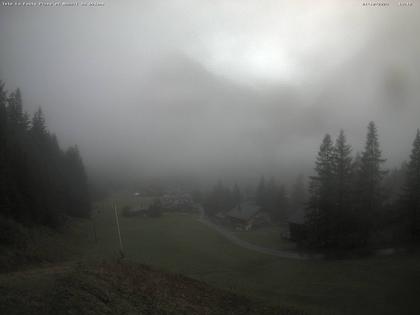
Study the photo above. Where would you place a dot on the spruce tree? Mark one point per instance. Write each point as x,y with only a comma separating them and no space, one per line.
342,171
321,202
38,128
342,224
77,185
18,119
370,182
5,204
3,118
39,183
411,196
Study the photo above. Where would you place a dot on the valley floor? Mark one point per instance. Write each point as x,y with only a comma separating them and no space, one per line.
180,244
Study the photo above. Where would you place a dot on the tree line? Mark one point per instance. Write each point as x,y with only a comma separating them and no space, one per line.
220,199
40,183
271,197
349,205
352,201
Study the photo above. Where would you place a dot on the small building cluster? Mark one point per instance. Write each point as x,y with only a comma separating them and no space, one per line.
178,202
246,215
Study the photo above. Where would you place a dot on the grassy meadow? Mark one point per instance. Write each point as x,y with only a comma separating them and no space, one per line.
270,236
181,244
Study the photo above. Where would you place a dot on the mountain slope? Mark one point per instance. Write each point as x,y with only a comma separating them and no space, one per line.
119,288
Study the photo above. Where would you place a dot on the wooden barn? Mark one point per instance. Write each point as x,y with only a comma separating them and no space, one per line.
246,215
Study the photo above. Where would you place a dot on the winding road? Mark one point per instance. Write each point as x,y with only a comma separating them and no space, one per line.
264,250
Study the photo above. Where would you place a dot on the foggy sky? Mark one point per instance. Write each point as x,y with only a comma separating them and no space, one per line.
217,88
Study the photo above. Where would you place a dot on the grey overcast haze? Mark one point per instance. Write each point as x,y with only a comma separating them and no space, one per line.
216,89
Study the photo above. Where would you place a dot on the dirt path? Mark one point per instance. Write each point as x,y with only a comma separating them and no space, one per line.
264,250
276,252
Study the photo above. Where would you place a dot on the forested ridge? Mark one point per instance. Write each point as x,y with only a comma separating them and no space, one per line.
353,201
40,183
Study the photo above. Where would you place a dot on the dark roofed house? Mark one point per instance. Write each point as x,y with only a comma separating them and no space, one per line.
245,215
297,229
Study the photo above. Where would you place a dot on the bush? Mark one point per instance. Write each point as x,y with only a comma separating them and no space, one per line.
12,233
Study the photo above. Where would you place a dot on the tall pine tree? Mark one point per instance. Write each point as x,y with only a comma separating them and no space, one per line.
342,171
370,182
77,186
411,197
321,203
343,224
39,183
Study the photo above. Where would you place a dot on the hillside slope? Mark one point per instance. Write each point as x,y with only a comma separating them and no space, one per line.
118,288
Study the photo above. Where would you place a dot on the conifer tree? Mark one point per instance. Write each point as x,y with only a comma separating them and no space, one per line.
5,206
321,203
342,221
77,185
370,182
39,183
411,197
18,119
342,171
38,127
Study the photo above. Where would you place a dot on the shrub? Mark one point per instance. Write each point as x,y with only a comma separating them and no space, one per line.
12,233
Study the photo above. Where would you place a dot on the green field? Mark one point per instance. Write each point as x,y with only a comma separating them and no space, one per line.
270,237
178,243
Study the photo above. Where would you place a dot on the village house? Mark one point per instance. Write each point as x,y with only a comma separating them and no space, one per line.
246,216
